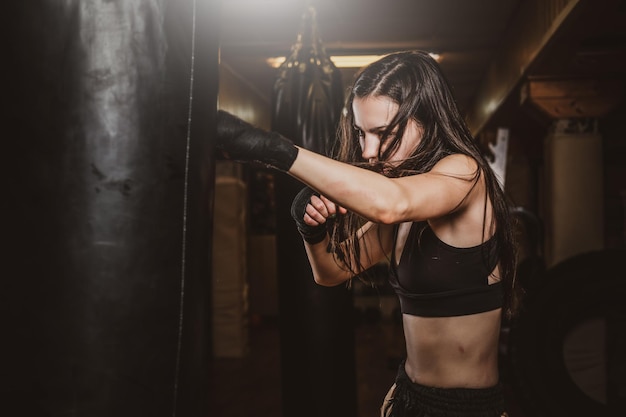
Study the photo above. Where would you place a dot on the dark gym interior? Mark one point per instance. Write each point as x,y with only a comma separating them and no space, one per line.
146,276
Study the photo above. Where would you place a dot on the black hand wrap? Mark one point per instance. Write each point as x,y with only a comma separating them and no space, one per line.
311,234
241,141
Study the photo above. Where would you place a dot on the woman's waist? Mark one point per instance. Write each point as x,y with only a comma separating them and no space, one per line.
460,350
438,399
449,369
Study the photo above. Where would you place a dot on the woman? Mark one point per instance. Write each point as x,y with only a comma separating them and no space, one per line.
409,187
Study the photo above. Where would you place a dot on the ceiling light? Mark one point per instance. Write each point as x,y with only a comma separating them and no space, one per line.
342,61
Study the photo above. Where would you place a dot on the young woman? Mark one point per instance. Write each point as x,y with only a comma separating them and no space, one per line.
409,187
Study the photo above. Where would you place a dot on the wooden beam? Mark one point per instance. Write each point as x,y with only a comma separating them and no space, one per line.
574,98
531,30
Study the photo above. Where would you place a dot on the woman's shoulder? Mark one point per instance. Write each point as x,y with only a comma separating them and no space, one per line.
457,164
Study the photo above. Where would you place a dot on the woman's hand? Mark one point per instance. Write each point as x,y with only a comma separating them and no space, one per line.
319,209
310,211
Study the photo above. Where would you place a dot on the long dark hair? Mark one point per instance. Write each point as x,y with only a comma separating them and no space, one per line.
414,81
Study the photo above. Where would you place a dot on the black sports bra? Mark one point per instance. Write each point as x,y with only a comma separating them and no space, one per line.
434,279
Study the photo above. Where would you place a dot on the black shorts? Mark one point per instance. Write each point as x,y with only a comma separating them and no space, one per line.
414,400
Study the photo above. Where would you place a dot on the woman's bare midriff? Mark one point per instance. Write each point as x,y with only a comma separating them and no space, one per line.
453,352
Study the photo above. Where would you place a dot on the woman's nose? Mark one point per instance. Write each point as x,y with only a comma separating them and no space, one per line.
370,147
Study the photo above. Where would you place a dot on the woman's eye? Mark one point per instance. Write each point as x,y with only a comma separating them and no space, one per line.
359,133
388,138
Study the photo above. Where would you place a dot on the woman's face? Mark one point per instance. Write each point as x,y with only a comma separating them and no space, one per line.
372,115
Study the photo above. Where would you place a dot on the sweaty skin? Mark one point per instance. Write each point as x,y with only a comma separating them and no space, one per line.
443,352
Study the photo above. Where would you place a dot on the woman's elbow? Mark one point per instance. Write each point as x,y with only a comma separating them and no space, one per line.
326,281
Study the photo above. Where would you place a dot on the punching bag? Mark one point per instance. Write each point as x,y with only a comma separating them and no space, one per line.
110,160
316,326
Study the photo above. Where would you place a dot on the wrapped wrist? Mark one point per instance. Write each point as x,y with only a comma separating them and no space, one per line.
241,141
310,234
280,153
313,234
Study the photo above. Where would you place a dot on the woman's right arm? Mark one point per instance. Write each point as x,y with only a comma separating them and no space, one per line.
375,242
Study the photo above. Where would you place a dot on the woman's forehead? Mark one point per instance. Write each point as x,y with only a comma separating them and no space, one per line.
371,113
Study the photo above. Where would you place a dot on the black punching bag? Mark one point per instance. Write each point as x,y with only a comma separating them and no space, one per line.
316,327
109,160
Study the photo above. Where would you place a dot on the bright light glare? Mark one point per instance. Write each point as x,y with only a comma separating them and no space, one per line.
343,61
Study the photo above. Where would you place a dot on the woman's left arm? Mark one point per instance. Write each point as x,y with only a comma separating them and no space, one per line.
389,200
373,196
